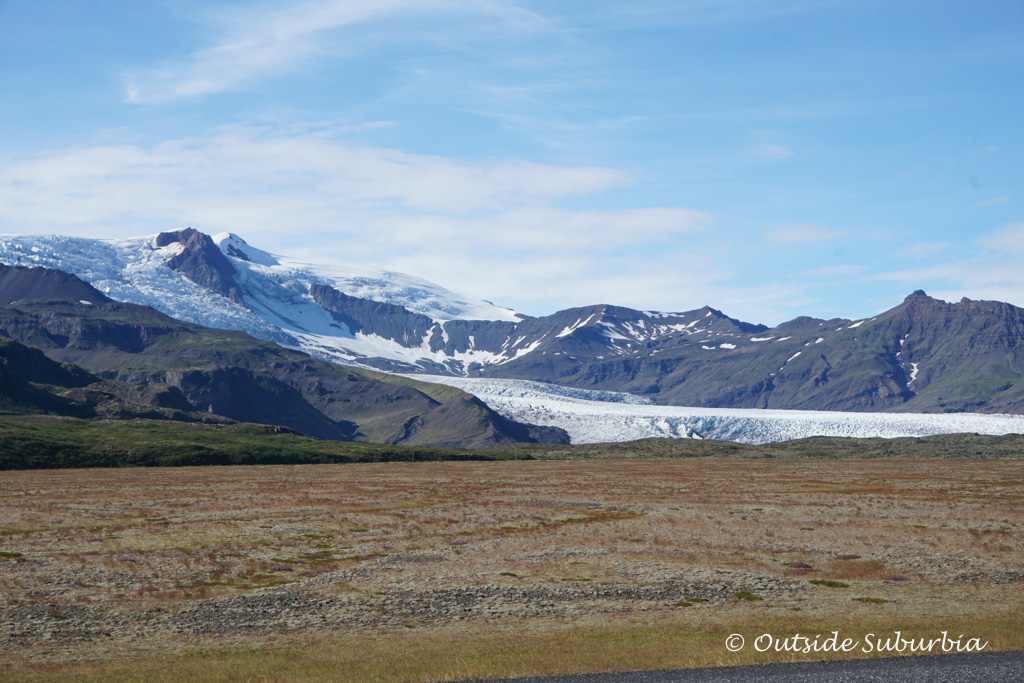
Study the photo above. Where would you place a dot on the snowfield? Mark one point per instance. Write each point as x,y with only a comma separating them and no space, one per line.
608,416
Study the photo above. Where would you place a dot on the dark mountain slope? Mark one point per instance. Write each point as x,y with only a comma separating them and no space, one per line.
18,283
955,356
29,382
32,383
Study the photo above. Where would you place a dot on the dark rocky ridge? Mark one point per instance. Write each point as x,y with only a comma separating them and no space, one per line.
373,317
20,283
967,357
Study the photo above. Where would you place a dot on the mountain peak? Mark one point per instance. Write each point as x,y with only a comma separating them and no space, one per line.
234,246
201,261
184,235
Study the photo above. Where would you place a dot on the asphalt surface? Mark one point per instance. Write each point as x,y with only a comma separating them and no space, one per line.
984,667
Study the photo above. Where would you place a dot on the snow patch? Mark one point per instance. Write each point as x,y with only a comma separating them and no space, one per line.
575,326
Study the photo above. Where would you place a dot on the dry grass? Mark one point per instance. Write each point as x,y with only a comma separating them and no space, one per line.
145,539
459,653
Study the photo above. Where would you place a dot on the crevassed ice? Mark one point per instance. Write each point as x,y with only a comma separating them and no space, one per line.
605,416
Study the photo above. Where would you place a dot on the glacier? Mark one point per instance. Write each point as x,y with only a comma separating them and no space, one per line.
278,305
608,416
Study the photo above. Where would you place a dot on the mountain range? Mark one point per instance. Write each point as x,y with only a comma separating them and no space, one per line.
924,355
67,349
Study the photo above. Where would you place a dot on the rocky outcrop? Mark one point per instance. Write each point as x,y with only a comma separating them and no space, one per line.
201,261
373,317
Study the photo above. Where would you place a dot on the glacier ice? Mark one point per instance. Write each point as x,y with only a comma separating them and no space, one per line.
277,306
607,416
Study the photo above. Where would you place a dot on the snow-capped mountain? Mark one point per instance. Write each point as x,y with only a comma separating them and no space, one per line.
224,282
923,355
345,313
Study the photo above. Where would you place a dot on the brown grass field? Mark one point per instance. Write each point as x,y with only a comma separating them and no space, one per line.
445,571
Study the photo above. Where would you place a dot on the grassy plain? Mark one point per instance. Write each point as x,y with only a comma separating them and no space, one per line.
449,570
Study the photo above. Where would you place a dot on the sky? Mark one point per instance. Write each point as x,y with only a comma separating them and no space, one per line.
769,158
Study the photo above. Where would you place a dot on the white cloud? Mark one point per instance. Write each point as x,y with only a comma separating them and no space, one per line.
921,250
1010,238
799,233
241,177
774,152
485,229
994,200
267,39
551,279
829,272
767,145
919,277
992,273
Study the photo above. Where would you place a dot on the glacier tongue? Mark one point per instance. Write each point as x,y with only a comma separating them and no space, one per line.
605,416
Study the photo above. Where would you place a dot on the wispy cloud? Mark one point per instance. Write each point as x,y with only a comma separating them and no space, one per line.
1008,238
994,200
922,250
800,233
771,151
268,39
830,272
242,166
767,144
991,272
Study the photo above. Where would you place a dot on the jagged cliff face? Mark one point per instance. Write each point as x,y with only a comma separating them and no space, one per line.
127,354
956,356
923,355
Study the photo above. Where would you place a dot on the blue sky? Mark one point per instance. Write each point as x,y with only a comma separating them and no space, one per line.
769,158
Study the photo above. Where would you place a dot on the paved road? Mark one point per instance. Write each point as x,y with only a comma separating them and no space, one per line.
985,667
